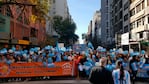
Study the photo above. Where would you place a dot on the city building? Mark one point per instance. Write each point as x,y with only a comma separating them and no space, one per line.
107,36
139,24
94,30
58,8
129,21
16,26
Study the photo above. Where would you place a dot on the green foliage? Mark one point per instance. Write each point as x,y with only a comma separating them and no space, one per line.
66,29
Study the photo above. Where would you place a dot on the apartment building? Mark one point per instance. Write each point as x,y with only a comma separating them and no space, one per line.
96,25
117,20
58,8
139,23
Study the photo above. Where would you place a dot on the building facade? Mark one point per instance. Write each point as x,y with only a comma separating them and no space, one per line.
130,18
58,8
94,30
139,23
106,30
21,29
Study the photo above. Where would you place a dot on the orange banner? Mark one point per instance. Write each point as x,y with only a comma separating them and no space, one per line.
36,69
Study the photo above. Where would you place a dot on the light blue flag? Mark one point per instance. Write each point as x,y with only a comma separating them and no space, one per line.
90,45
57,47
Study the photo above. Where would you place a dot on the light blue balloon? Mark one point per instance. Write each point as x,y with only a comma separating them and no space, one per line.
13,48
26,51
50,60
51,54
142,51
125,52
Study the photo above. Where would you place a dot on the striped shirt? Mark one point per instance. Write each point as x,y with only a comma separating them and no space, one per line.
116,77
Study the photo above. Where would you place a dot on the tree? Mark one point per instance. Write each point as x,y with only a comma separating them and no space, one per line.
66,29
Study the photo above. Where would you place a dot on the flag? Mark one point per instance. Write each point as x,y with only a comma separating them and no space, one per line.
90,45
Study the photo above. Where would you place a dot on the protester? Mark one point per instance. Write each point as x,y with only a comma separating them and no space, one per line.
100,75
120,75
133,68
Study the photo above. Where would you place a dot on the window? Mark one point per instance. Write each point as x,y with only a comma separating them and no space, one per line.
138,8
20,19
132,12
126,17
143,20
53,1
138,22
0,9
121,15
126,29
143,5
8,11
132,25
107,2
120,4
148,19
141,35
126,5
26,21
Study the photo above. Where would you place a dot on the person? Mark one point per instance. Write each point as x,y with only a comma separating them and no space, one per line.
100,75
133,68
120,75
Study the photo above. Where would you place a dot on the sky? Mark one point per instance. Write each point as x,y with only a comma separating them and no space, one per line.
82,12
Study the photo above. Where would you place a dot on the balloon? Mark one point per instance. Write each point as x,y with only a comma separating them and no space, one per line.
125,52
51,54
50,60
142,51
26,51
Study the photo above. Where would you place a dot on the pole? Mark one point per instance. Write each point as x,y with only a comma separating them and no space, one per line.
139,47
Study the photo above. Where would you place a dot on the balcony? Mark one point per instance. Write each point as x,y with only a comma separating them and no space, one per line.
138,29
137,16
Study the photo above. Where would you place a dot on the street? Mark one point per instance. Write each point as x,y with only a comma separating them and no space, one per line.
59,82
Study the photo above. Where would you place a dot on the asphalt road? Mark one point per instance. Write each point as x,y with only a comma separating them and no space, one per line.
59,82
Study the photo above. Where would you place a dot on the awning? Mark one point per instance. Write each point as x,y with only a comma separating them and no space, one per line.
145,43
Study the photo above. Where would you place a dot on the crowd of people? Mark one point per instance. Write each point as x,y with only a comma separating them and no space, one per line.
130,61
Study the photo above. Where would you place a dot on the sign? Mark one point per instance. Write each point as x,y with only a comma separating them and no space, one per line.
60,45
23,42
79,47
36,69
125,39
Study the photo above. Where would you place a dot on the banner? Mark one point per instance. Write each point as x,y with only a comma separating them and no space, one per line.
79,47
36,69
125,39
